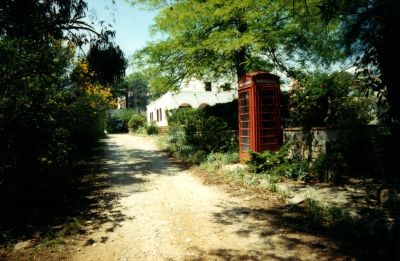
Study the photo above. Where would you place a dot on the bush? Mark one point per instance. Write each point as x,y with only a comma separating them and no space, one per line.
118,120
114,125
198,157
327,100
370,151
152,129
279,164
225,158
228,112
202,131
217,159
136,122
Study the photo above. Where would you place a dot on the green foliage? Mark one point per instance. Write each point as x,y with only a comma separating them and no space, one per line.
34,19
117,121
136,121
48,112
371,38
219,158
138,84
213,162
371,151
52,113
152,129
328,100
226,38
45,117
279,165
135,89
33,102
195,133
202,131
107,61
367,236
226,111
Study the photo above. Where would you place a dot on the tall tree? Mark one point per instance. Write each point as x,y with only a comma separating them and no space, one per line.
36,20
107,61
39,100
208,39
371,34
138,88
135,89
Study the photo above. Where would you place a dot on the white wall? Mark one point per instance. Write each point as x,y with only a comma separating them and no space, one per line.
195,99
199,86
160,103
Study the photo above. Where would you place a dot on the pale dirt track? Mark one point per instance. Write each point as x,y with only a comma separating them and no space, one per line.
166,213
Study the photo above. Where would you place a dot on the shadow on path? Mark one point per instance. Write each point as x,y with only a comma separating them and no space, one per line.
286,230
81,200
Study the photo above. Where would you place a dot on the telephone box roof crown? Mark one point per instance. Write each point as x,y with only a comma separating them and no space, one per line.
259,73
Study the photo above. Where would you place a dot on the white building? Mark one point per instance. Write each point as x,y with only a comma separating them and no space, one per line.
121,103
192,94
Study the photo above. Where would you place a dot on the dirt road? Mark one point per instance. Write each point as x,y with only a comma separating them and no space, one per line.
164,212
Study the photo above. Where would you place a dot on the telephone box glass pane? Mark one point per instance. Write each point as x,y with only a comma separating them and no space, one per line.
244,125
244,147
244,118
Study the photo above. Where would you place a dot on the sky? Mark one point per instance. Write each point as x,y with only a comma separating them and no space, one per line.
131,23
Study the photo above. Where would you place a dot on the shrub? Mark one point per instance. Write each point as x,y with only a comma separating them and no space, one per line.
117,121
136,122
375,237
329,167
198,157
327,100
228,112
114,125
369,151
152,129
279,164
142,130
226,158
202,131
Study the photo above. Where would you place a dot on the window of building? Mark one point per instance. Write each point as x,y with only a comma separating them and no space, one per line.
208,86
151,116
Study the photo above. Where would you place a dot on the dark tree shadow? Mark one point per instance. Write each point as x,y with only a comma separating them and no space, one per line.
366,238
80,200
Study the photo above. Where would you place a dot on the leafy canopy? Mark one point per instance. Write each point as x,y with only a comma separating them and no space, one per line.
210,39
107,61
370,33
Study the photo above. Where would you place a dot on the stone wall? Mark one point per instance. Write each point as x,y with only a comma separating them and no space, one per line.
309,144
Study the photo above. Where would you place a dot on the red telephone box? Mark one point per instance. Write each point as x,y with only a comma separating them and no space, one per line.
259,113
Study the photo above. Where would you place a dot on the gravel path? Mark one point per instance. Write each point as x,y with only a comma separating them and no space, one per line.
164,212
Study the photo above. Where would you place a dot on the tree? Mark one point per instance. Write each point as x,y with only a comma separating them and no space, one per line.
107,61
371,35
138,86
135,88
43,109
210,39
334,100
35,20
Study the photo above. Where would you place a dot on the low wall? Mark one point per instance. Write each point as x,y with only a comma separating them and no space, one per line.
309,144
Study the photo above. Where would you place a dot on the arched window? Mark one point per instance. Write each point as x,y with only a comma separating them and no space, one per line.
203,105
185,105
